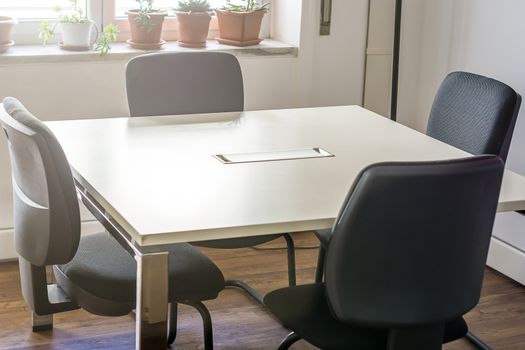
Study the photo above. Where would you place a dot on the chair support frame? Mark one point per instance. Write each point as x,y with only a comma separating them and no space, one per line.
292,279
44,299
152,279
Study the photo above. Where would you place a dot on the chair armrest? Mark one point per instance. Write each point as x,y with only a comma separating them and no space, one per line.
324,237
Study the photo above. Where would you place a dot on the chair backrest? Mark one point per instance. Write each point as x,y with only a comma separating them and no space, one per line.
46,212
474,113
410,244
184,83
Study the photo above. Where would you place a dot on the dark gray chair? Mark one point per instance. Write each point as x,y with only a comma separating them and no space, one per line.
92,272
191,83
471,112
474,113
405,260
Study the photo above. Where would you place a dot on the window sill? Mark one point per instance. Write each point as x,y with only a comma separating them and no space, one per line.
121,51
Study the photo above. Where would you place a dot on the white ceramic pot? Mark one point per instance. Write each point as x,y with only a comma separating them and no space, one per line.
6,29
77,34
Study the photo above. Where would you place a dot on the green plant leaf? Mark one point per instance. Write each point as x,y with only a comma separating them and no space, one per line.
76,15
245,6
193,6
108,36
143,19
46,32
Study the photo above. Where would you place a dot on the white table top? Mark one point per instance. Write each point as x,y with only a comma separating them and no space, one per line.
158,178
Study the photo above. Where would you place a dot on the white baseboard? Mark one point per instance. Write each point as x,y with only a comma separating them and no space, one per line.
7,249
507,259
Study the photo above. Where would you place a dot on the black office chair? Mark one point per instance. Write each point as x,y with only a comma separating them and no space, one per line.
93,272
191,83
405,261
474,113
471,112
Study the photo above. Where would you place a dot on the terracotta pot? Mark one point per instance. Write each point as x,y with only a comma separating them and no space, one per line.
193,28
141,36
6,30
239,28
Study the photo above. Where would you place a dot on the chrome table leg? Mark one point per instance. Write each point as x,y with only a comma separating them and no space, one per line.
152,279
152,301
41,323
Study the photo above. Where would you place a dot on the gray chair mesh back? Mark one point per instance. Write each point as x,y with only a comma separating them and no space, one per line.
474,113
46,213
410,244
184,83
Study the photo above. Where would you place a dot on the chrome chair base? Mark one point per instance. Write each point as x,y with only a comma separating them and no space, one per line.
292,278
245,287
289,341
478,343
206,323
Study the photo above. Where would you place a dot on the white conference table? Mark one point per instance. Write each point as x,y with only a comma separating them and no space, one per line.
154,181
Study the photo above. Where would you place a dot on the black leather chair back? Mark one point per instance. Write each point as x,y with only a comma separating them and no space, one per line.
46,213
474,113
410,244
184,83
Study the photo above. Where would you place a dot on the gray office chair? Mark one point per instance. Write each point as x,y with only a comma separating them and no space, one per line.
190,83
92,272
474,113
471,112
405,260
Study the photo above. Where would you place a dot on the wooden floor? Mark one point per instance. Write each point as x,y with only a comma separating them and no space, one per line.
238,322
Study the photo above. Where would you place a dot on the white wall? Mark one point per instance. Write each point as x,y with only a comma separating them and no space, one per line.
331,68
481,36
286,21
379,56
327,71
409,61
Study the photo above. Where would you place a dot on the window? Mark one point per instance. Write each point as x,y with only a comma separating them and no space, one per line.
115,12
35,9
121,6
30,13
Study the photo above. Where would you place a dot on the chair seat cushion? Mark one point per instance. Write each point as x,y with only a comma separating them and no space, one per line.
105,270
305,310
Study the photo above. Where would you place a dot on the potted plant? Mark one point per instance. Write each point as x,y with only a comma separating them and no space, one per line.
146,26
107,37
6,29
240,24
76,28
194,22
